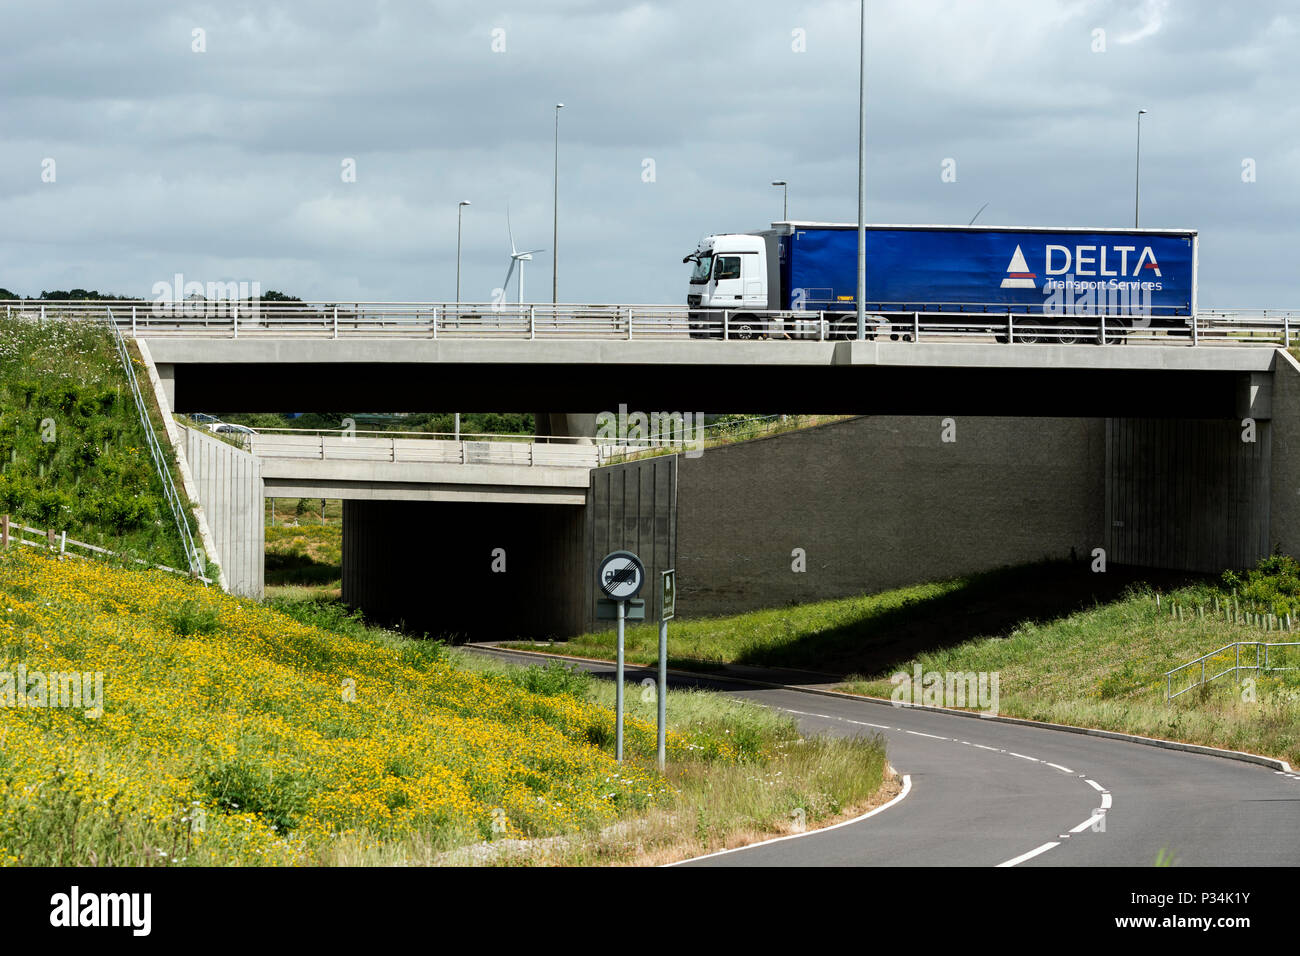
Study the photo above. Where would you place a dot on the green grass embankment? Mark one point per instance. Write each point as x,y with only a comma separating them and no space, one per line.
1068,646
73,455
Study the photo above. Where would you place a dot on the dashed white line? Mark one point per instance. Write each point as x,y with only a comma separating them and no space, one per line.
1088,822
1100,815
1030,855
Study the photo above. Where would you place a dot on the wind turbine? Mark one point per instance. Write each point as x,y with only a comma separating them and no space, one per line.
516,257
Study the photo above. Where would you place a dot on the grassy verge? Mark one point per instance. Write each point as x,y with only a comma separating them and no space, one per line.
1105,667
1066,647
868,633
794,782
73,455
232,732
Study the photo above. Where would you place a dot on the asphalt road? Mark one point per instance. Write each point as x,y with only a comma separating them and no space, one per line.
986,793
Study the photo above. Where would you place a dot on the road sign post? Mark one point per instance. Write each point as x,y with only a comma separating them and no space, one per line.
618,690
620,577
667,609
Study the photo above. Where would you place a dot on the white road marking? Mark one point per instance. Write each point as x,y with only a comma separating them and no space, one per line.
845,720
1030,855
1106,800
1088,822
907,788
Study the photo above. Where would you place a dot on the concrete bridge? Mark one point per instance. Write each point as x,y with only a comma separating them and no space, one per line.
585,376
1159,454
372,468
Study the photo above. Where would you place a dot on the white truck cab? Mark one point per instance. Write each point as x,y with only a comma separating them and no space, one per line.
730,273
735,292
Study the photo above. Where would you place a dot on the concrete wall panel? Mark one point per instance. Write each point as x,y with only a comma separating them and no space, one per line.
229,483
879,502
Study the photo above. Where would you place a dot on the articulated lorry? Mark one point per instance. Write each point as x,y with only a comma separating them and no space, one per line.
799,280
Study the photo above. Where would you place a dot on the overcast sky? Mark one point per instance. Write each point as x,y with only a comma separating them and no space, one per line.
227,164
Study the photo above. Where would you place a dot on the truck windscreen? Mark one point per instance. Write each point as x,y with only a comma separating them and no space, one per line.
703,267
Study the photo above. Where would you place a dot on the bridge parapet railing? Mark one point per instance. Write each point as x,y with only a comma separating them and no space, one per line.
431,450
896,321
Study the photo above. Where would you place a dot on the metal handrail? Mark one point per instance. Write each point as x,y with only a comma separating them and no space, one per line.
193,556
896,320
1262,664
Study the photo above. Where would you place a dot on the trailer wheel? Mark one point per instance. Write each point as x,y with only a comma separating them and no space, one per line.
846,329
1029,331
1114,336
1067,332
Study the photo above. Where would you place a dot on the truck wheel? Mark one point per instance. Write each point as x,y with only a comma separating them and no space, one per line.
1029,331
743,327
846,330
1068,331
1116,337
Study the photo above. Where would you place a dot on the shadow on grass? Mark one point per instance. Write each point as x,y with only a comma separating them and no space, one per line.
991,604
291,569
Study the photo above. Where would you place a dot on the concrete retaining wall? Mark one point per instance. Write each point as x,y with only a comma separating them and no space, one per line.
879,502
229,484
1284,462
1189,495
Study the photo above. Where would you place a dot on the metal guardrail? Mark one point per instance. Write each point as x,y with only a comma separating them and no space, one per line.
193,556
435,320
1263,664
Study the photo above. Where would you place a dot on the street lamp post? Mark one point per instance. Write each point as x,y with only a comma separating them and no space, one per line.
1137,173
785,199
460,208
862,175
555,214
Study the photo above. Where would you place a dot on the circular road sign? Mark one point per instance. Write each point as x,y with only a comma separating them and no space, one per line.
620,575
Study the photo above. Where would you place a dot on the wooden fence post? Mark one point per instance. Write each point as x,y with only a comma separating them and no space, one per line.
4,531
